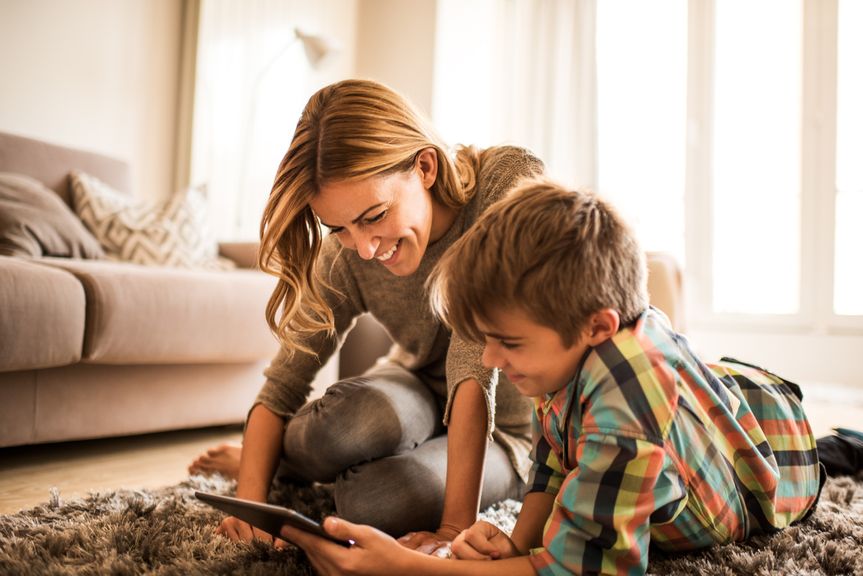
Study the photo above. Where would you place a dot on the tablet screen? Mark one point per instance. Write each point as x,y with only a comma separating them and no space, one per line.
266,517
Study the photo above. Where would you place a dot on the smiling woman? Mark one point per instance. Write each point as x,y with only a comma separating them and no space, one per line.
406,444
397,220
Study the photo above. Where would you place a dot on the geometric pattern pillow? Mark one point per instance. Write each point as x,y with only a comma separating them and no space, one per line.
173,233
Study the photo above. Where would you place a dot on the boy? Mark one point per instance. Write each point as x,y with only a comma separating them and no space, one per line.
636,441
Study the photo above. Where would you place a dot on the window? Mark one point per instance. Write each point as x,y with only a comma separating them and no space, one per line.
641,116
848,263
729,131
755,168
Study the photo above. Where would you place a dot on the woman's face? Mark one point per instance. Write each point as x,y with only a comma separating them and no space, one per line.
389,219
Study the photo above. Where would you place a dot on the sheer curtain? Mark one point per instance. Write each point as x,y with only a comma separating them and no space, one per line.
519,72
252,79
595,89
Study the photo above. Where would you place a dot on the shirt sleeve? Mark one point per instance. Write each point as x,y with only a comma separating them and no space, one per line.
502,167
600,520
546,472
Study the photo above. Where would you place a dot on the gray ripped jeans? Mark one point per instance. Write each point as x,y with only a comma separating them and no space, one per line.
380,439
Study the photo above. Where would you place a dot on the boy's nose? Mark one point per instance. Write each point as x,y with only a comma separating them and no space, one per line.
490,359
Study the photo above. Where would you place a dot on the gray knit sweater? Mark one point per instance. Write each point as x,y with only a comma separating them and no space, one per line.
400,303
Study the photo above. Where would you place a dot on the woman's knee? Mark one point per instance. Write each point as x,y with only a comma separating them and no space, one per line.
399,494
357,420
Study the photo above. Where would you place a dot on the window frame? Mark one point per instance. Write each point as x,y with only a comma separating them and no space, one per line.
818,172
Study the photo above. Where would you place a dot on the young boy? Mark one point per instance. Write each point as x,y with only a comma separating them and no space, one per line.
636,440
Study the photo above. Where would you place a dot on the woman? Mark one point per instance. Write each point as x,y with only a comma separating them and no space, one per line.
406,443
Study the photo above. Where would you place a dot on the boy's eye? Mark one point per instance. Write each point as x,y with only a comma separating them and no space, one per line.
509,345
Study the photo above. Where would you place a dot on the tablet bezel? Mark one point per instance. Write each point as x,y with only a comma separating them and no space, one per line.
267,517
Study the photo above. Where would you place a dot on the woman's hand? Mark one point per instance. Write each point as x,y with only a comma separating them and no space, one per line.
434,543
483,541
240,531
372,552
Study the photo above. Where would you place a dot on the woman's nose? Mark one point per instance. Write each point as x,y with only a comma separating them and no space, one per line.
365,244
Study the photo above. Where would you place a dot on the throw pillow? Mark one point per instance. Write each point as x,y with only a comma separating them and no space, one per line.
35,222
173,233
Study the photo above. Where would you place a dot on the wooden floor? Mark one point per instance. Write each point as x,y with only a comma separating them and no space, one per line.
27,474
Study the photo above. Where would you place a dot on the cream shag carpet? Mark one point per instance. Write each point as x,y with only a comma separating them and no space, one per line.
169,532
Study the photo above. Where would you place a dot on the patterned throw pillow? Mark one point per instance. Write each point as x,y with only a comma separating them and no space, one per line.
173,233
35,222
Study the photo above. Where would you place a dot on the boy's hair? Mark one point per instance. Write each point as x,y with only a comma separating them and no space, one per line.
557,254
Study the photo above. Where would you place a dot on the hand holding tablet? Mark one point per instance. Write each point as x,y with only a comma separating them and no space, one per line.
267,517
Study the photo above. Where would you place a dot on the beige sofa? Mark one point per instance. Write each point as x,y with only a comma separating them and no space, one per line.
94,348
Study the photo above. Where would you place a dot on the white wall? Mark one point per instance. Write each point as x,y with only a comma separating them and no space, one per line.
395,45
95,74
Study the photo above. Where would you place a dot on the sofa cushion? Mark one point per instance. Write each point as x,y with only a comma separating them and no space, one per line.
173,233
159,315
41,316
35,222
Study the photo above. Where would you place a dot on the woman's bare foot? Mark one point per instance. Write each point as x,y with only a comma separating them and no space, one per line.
223,459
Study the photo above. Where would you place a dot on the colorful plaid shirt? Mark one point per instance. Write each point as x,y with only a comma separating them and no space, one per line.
647,444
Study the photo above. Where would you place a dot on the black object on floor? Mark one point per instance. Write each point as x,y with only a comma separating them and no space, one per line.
842,453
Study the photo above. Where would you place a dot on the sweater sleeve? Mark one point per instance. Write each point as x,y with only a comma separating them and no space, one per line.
501,168
289,378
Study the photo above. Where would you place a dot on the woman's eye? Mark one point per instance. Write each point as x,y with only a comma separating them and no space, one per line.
376,217
508,345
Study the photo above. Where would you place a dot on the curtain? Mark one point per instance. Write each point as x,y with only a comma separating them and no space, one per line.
253,76
520,72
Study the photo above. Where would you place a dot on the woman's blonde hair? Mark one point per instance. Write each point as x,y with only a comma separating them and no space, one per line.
557,254
348,131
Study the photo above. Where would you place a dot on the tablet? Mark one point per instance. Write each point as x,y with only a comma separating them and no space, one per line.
267,517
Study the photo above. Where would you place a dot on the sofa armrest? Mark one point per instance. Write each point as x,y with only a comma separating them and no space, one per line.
244,254
665,285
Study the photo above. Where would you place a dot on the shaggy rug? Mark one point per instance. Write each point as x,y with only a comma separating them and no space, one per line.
169,532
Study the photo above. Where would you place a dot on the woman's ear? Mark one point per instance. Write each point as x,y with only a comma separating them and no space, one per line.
426,163
602,326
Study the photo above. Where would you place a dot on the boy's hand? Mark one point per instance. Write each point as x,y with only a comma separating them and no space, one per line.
240,531
483,541
436,543
372,552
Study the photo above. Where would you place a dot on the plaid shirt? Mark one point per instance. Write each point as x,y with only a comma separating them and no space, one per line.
649,445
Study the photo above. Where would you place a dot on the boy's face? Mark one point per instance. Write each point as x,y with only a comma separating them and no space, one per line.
531,355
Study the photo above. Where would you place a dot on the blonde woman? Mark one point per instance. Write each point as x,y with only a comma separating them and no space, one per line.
420,441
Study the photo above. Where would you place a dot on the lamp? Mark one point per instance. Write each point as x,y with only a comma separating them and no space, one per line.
316,47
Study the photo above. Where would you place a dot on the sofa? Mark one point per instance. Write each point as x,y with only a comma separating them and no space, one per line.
93,348
98,348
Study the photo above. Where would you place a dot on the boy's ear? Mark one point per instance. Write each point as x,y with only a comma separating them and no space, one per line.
602,326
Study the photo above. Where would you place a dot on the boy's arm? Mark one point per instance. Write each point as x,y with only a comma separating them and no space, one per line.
376,554
535,511
600,522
